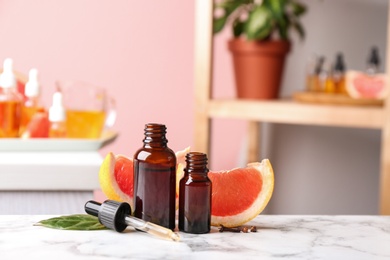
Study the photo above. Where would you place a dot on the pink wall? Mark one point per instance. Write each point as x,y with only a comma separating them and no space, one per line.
142,51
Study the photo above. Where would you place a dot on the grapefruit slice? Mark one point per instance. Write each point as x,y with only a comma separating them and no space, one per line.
362,85
239,195
116,176
38,127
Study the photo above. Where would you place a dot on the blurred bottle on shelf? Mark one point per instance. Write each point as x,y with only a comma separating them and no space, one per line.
326,80
10,102
313,81
373,62
57,117
338,74
32,104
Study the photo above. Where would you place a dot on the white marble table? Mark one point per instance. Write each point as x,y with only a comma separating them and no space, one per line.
291,237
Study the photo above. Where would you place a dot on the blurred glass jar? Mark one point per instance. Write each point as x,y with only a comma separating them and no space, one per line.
89,109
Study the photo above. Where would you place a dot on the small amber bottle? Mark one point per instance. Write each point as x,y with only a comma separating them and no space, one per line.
195,195
339,74
155,178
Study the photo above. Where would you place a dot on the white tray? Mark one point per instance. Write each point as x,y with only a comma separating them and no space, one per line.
55,144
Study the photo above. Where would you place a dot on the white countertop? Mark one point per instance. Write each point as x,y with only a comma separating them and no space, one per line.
290,237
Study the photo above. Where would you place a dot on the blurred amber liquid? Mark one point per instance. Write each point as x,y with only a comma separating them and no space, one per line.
84,124
10,118
26,116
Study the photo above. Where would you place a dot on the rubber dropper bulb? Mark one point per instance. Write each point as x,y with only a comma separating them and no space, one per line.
7,78
57,112
32,88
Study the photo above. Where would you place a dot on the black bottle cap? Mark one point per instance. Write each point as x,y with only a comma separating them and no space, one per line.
110,213
339,65
374,57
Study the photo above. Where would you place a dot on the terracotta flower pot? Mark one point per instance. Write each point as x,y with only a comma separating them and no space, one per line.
258,67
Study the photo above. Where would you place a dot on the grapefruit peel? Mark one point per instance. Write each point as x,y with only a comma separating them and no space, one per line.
107,180
264,168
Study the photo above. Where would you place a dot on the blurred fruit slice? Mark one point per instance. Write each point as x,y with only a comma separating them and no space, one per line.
116,176
38,127
362,85
239,195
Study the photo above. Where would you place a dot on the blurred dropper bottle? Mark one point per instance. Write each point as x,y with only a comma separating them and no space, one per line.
311,75
318,85
32,103
57,117
373,62
326,80
10,102
339,74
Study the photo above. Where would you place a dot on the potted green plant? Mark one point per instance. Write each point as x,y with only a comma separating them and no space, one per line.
260,43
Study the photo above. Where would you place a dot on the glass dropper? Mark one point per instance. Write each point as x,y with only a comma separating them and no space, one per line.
117,216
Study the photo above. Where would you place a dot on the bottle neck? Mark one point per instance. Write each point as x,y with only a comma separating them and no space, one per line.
155,136
196,164
32,102
10,94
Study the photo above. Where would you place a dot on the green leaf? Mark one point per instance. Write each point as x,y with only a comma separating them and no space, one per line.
218,24
299,28
259,25
72,222
298,9
229,7
277,7
238,28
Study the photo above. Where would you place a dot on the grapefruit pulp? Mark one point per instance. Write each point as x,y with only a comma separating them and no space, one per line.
116,178
38,126
362,85
239,195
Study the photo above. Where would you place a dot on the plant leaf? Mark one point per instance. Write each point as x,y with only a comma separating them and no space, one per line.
282,26
229,7
72,222
238,28
219,23
298,9
299,28
259,25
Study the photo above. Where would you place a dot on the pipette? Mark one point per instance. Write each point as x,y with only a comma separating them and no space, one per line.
116,215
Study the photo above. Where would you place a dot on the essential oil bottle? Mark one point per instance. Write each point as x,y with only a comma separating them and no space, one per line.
195,195
10,102
155,178
57,117
339,74
32,103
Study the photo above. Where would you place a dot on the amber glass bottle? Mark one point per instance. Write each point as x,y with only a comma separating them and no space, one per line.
155,178
10,102
195,195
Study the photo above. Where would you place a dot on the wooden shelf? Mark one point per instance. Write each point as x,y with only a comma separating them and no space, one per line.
290,112
278,111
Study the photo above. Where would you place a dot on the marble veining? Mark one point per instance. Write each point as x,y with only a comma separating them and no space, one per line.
278,237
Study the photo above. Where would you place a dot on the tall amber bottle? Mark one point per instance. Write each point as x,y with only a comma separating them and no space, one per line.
155,178
195,195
